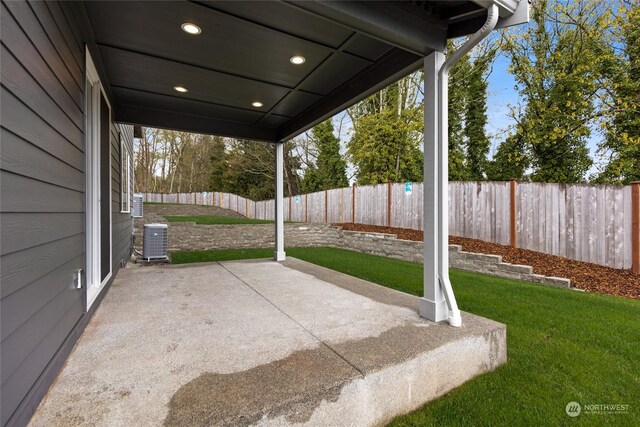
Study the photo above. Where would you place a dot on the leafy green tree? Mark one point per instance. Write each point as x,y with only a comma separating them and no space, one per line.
385,149
468,141
458,77
509,161
622,128
331,167
311,181
557,65
251,169
387,133
218,164
475,114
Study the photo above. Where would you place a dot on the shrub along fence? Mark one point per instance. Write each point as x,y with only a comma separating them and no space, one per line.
593,223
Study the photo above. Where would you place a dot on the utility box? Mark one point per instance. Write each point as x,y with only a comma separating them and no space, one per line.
138,203
155,242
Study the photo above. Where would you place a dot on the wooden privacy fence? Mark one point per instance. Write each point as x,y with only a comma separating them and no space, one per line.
593,223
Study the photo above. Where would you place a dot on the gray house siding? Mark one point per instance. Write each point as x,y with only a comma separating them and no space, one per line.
121,226
42,201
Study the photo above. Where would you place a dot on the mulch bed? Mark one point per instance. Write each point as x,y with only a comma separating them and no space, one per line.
583,275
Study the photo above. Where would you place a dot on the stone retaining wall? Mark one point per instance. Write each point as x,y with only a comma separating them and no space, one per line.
189,236
390,246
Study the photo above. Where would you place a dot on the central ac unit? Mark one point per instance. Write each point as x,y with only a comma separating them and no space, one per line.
155,242
138,203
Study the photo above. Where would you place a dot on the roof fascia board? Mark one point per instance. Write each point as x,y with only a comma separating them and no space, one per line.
512,12
382,21
151,117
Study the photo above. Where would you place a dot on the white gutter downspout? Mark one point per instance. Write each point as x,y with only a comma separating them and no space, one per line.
443,182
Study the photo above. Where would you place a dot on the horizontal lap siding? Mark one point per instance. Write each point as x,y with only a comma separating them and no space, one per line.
122,222
42,203
42,206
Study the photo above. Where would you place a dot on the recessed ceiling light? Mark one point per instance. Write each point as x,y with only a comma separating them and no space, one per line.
190,28
297,59
257,104
180,89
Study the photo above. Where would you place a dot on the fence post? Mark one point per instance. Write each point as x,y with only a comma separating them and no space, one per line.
388,204
635,227
290,197
246,208
195,199
161,197
512,215
353,203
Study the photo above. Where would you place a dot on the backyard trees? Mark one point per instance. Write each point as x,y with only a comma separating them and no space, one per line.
621,145
172,161
559,65
458,77
468,140
331,166
387,133
475,114
509,161
330,170
251,169
218,164
169,161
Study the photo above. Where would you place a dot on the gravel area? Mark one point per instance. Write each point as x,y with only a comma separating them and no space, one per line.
583,275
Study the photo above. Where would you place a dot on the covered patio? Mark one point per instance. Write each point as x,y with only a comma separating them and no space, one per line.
261,343
269,342
273,71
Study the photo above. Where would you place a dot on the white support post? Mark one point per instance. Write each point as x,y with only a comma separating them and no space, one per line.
433,305
439,302
279,254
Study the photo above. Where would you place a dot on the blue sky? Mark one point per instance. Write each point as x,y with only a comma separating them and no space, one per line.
501,93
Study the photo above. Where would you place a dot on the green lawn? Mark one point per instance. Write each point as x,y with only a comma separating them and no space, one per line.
563,345
212,219
219,255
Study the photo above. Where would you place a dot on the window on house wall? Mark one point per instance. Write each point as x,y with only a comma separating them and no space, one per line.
125,177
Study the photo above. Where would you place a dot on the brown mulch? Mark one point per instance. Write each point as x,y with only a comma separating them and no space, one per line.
583,275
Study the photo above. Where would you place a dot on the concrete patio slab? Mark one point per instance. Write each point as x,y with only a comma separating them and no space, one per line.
261,343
